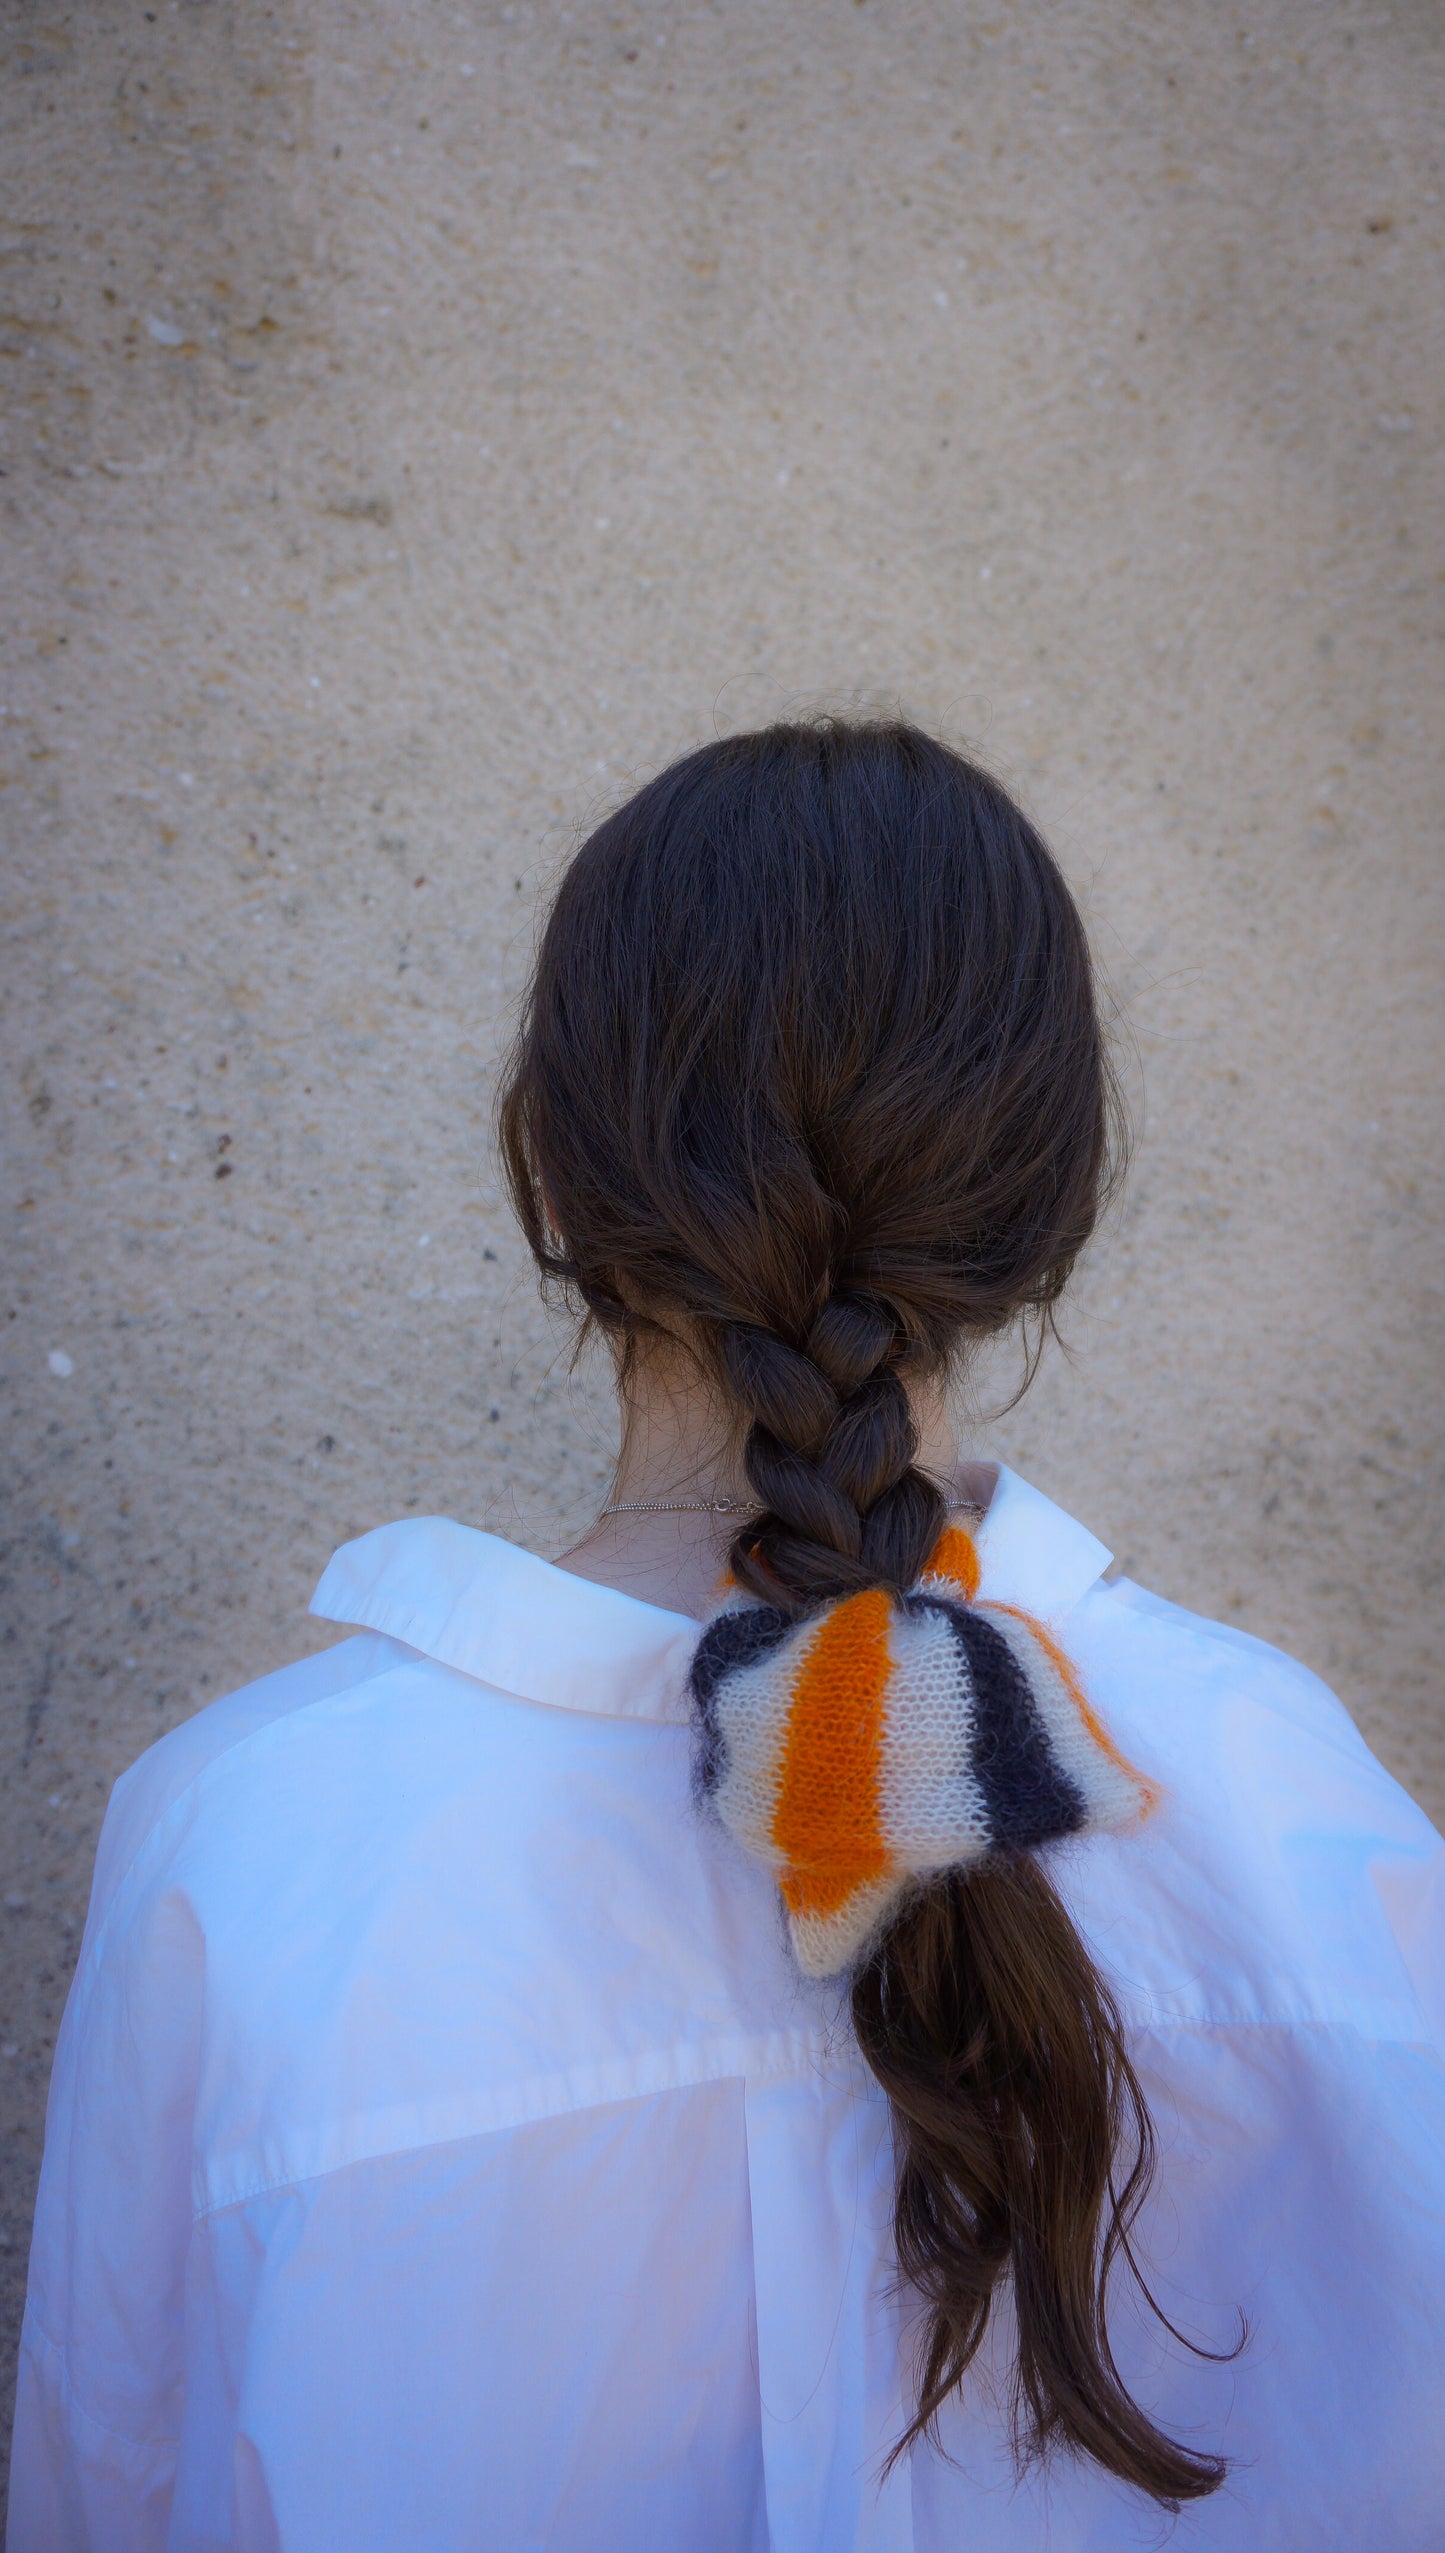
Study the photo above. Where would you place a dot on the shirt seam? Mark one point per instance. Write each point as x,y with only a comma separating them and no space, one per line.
840,2061
846,2069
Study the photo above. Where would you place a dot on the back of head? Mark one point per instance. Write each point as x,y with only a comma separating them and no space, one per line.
811,1080
812,1069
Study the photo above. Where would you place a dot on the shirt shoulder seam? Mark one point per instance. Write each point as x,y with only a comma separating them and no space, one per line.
1162,2026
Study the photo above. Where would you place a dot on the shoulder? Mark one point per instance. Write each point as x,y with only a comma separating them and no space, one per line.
1221,1702
1287,1876
391,1877
1145,1633
376,1775
169,1774
489,1698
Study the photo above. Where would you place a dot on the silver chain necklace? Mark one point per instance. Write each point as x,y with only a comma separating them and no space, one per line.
726,1507
677,1507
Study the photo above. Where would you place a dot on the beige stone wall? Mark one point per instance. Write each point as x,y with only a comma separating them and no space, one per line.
420,420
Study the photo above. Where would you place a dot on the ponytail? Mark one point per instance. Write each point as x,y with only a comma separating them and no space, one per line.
811,1079
1013,2095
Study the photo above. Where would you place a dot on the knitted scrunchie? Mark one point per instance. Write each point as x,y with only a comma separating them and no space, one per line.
875,1744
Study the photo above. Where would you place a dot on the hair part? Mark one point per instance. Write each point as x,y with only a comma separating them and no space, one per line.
811,1077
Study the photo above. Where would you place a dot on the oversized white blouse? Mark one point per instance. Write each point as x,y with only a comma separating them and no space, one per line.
444,2156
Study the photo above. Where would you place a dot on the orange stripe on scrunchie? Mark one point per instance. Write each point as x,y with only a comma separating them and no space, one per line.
827,1824
955,1557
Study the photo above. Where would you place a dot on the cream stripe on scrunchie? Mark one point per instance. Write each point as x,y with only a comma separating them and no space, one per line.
875,1744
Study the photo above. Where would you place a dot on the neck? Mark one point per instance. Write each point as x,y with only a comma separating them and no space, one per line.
678,1445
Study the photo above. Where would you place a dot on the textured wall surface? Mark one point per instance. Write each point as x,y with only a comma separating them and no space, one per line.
422,420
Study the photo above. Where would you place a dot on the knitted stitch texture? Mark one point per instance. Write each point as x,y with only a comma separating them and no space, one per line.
874,1745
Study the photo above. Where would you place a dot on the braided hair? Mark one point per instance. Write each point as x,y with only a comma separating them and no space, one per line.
829,1453
810,1080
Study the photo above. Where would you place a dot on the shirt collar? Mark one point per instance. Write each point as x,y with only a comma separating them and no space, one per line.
524,1626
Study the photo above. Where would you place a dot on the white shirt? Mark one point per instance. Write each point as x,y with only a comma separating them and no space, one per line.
444,2157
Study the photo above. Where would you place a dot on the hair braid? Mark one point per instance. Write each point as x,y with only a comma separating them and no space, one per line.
830,1454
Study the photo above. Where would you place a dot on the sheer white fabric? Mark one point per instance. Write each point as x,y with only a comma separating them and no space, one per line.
443,2151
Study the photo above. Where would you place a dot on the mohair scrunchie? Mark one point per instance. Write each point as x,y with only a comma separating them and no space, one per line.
875,1744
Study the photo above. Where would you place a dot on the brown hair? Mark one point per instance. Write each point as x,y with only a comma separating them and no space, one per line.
811,1077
